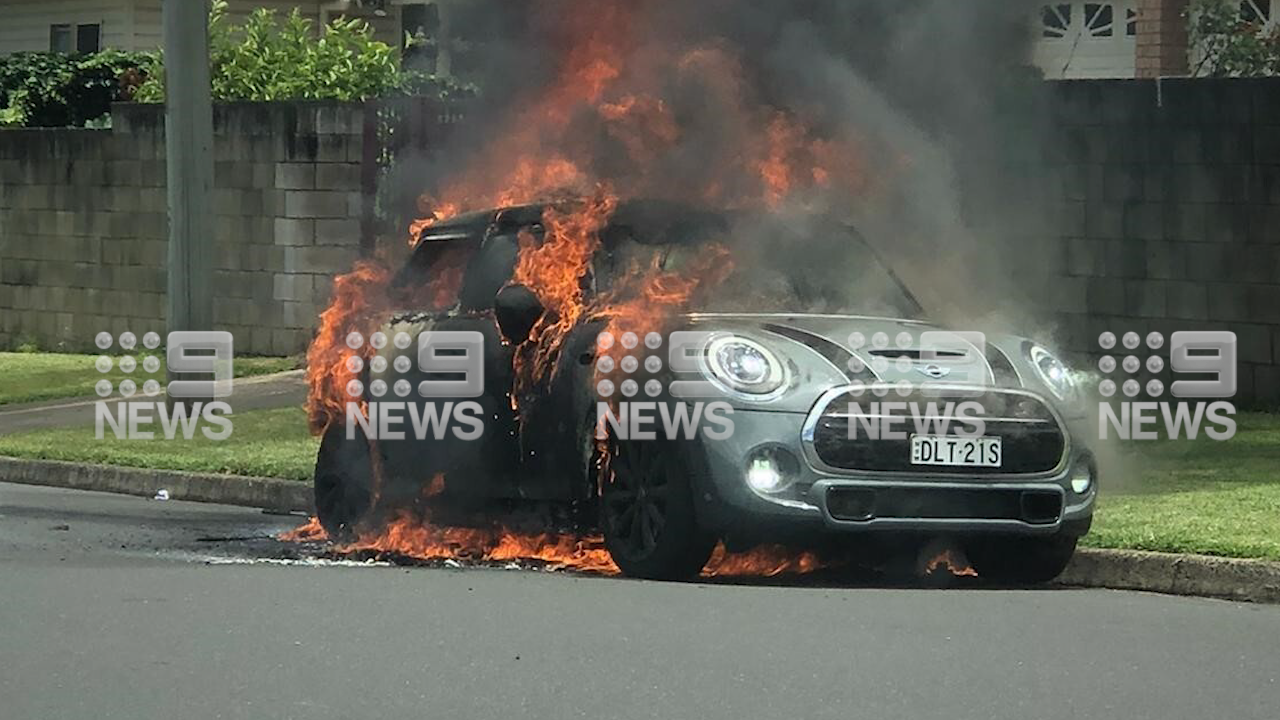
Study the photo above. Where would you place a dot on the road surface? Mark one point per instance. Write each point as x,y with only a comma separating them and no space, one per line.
119,607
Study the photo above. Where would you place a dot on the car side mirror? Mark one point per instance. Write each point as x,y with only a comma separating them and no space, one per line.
517,310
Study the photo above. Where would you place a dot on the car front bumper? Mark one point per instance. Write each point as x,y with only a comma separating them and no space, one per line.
820,497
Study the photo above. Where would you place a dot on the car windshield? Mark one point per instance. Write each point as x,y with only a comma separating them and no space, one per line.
774,269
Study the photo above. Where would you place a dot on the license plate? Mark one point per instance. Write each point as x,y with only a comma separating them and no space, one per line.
956,451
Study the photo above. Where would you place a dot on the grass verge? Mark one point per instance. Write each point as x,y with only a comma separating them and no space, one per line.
1199,496
267,443
47,376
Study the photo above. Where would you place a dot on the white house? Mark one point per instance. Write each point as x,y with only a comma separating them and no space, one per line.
1123,38
1086,39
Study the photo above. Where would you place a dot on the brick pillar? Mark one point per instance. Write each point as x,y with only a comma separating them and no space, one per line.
1162,38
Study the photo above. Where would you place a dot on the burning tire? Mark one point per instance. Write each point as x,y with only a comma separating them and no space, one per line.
343,481
1021,560
647,514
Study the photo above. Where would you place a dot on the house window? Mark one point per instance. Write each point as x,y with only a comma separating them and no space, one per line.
420,25
1056,19
1131,23
60,39
1257,12
69,39
88,38
1098,19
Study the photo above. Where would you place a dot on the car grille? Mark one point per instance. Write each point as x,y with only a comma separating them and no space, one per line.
1032,440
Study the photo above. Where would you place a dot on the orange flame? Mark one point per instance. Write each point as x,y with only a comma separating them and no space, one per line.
413,537
949,561
543,154
554,269
359,305
312,531
764,561
363,300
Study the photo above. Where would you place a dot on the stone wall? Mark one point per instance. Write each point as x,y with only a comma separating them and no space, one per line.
1166,200
83,224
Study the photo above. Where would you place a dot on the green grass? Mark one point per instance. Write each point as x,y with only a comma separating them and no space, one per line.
268,443
26,377
1200,496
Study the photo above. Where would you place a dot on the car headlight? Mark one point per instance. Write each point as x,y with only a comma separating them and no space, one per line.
744,366
1052,371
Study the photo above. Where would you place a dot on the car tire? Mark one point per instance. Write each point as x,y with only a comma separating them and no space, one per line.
343,482
647,513
1021,560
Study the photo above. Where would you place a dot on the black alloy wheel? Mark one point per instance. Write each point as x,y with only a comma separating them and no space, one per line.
650,525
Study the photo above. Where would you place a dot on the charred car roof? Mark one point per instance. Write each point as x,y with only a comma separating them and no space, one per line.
635,219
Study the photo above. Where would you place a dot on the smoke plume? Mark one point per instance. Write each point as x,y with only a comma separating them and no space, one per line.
910,119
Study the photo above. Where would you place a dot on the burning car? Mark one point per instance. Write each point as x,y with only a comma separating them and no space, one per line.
584,311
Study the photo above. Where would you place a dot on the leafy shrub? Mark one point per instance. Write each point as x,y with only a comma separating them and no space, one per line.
272,58
56,90
1230,43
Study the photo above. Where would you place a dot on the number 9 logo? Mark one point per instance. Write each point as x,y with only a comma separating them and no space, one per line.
1217,357
218,364
466,361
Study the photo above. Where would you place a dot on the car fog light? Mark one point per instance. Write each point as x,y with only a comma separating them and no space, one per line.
1082,477
763,475
771,470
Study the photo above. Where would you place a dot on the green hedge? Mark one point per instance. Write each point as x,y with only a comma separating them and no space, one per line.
273,57
267,58
56,90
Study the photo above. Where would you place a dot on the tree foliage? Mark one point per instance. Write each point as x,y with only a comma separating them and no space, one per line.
57,90
284,58
1231,43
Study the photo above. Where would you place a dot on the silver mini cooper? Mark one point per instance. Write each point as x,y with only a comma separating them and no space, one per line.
740,419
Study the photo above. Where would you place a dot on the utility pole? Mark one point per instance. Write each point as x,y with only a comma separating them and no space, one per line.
444,40
189,147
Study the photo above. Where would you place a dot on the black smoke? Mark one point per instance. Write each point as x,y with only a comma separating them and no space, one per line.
937,95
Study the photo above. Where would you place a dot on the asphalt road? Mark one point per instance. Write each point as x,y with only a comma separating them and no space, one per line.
119,607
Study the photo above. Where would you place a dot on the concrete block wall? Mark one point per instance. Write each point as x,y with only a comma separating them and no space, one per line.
1165,200
83,223
1162,200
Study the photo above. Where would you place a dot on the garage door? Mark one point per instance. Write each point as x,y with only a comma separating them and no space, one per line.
1086,39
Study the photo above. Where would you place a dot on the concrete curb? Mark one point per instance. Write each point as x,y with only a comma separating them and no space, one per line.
267,493
1201,575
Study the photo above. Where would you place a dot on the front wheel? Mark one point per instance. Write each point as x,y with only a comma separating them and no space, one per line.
1020,559
646,511
343,481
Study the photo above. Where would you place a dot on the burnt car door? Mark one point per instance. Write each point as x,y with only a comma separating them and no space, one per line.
481,462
